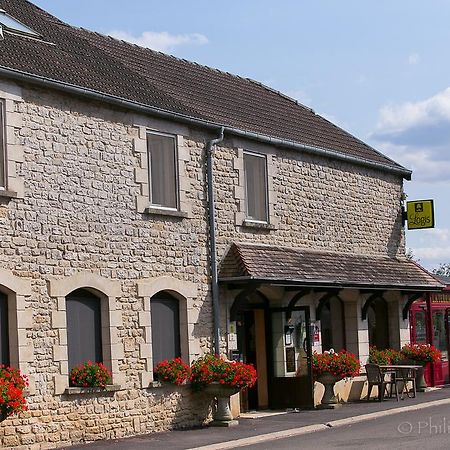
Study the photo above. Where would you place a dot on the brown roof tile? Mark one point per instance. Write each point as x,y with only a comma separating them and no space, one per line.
120,69
305,267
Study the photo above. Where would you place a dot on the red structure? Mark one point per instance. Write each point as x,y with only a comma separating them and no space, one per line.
430,324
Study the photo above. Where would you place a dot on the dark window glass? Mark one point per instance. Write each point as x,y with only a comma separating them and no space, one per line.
165,327
84,338
4,341
163,173
377,319
332,325
256,186
421,327
2,147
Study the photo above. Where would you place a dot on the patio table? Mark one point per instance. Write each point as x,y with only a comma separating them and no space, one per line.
403,373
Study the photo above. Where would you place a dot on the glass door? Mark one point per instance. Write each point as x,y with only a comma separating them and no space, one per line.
291,381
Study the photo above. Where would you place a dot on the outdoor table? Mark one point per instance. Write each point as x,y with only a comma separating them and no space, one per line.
401,373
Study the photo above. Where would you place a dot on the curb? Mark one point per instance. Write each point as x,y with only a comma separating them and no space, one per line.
318,427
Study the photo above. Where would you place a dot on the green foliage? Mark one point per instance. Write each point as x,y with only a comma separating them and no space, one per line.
90,374
443,270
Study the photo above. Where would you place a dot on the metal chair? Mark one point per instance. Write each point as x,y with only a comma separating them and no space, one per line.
375,377
403,376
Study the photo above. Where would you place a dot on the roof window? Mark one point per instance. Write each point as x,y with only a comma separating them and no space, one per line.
12,25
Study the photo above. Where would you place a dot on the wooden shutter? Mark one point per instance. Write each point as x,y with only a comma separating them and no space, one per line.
165,327
256,186
2,148
4,341
84,339
163,172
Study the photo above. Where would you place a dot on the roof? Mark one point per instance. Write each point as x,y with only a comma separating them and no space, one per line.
298,267
101,64
444,280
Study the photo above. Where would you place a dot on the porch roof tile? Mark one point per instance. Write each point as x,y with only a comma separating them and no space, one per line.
302,267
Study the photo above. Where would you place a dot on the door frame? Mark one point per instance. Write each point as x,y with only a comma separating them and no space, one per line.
269,350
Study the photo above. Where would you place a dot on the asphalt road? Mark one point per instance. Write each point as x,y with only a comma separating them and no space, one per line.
425,429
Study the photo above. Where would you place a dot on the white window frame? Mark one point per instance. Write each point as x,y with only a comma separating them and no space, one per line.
177,188
4,175
266,182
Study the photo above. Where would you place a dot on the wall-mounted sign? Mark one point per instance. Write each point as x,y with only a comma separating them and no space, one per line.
232,336
420,214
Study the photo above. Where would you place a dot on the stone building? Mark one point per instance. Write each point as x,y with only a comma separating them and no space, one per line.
107,152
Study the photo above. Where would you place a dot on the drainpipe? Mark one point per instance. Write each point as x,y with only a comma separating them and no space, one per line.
212,239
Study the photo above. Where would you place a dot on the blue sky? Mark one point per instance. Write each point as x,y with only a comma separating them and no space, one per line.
379,69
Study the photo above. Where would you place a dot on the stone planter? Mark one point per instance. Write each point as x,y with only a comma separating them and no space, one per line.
222,415
421,384
329,400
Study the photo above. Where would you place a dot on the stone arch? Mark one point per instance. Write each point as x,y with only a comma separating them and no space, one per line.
107,291
185,292
20,319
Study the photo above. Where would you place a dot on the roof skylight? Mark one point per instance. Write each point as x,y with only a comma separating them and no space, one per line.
13,25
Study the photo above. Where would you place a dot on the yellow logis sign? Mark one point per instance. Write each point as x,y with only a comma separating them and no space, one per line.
420,214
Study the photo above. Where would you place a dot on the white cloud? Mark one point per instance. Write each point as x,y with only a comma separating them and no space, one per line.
414,58
161,41
433,246
417,135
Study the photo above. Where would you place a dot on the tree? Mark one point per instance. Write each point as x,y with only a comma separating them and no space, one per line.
443,269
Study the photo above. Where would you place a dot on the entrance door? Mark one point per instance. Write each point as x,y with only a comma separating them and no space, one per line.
290,383
252,346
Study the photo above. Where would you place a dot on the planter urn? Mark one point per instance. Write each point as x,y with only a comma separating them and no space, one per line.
222,415
329,400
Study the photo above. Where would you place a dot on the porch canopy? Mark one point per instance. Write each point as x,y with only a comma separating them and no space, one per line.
307,271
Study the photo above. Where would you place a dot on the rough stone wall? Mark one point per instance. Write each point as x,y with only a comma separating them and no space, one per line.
79,214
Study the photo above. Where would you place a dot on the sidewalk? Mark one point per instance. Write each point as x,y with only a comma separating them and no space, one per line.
271,426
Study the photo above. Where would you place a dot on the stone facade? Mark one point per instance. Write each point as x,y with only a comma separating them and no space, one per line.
80,219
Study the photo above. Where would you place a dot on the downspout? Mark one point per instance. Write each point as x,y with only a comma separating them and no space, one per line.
212,239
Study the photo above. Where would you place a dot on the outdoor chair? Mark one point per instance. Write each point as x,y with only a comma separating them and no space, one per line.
375,377
403,376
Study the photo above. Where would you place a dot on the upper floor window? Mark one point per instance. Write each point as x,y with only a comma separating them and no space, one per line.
255,172
162,157
2,147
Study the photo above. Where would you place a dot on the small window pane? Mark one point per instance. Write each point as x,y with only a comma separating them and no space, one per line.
2,148
163,174
83,328
4,341
13,24
165,328
256,186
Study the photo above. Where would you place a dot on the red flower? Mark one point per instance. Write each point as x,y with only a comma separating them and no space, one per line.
421,353
12,386
90,374
213,368
342,364
174,371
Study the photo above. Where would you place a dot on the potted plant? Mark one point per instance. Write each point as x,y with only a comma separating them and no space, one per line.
423,355
173,371
330,367
221,378
90,375
384,357
12,387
